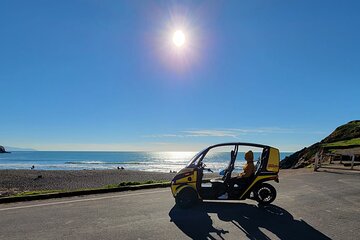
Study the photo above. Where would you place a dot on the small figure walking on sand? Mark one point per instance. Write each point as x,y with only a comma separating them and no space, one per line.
33,166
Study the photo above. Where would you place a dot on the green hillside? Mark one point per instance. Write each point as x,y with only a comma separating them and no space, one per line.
355,142
345,132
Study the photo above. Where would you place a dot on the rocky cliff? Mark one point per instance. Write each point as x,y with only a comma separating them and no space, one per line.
347,135
2,149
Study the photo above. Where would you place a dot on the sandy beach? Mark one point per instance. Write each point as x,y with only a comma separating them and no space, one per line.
15,181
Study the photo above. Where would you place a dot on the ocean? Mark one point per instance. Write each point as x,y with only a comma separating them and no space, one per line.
144,161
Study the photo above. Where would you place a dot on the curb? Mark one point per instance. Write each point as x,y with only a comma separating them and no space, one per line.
82,192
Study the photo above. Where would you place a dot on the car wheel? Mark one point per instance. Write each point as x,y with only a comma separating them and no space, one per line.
265,194
186,198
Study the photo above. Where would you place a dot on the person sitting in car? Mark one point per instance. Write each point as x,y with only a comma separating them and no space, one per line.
249,168
248,171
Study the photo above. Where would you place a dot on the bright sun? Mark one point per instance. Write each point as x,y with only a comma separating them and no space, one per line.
178,38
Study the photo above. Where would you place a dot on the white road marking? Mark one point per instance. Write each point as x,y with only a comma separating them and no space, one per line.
80,200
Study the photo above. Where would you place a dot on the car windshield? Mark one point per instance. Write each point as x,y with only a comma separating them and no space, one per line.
195,159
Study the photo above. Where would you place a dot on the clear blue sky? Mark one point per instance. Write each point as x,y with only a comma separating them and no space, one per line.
105,75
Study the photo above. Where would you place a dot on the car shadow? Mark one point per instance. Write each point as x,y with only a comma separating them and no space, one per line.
197,224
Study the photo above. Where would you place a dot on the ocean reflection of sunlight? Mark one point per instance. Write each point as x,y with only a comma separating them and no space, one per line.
174,156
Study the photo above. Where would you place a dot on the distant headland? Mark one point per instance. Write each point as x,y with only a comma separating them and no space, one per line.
2,150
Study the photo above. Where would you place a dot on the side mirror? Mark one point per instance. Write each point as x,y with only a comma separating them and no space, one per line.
222,172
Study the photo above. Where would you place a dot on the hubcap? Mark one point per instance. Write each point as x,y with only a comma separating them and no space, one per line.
265,194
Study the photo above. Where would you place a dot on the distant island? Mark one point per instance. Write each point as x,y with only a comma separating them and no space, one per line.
346,136
7,149
17,149
2,150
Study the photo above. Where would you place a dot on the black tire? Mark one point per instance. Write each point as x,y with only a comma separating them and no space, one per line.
265,194
186,198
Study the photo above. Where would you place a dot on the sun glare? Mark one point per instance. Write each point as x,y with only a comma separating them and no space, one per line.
179,38
177,42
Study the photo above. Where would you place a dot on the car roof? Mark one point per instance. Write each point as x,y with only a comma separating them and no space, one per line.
241,144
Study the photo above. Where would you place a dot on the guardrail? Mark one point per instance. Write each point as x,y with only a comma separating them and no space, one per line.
320,163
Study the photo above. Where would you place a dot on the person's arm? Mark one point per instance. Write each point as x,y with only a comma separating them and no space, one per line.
249,170
245,169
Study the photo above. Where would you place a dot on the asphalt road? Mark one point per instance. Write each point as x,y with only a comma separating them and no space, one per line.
309,206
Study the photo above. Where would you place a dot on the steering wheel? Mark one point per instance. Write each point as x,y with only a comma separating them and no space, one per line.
203,166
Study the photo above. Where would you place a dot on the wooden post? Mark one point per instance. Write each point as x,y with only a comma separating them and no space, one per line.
352,161
316,162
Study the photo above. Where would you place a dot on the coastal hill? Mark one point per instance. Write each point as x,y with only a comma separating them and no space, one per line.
345,136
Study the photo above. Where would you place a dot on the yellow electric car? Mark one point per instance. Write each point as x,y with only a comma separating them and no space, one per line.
189,185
